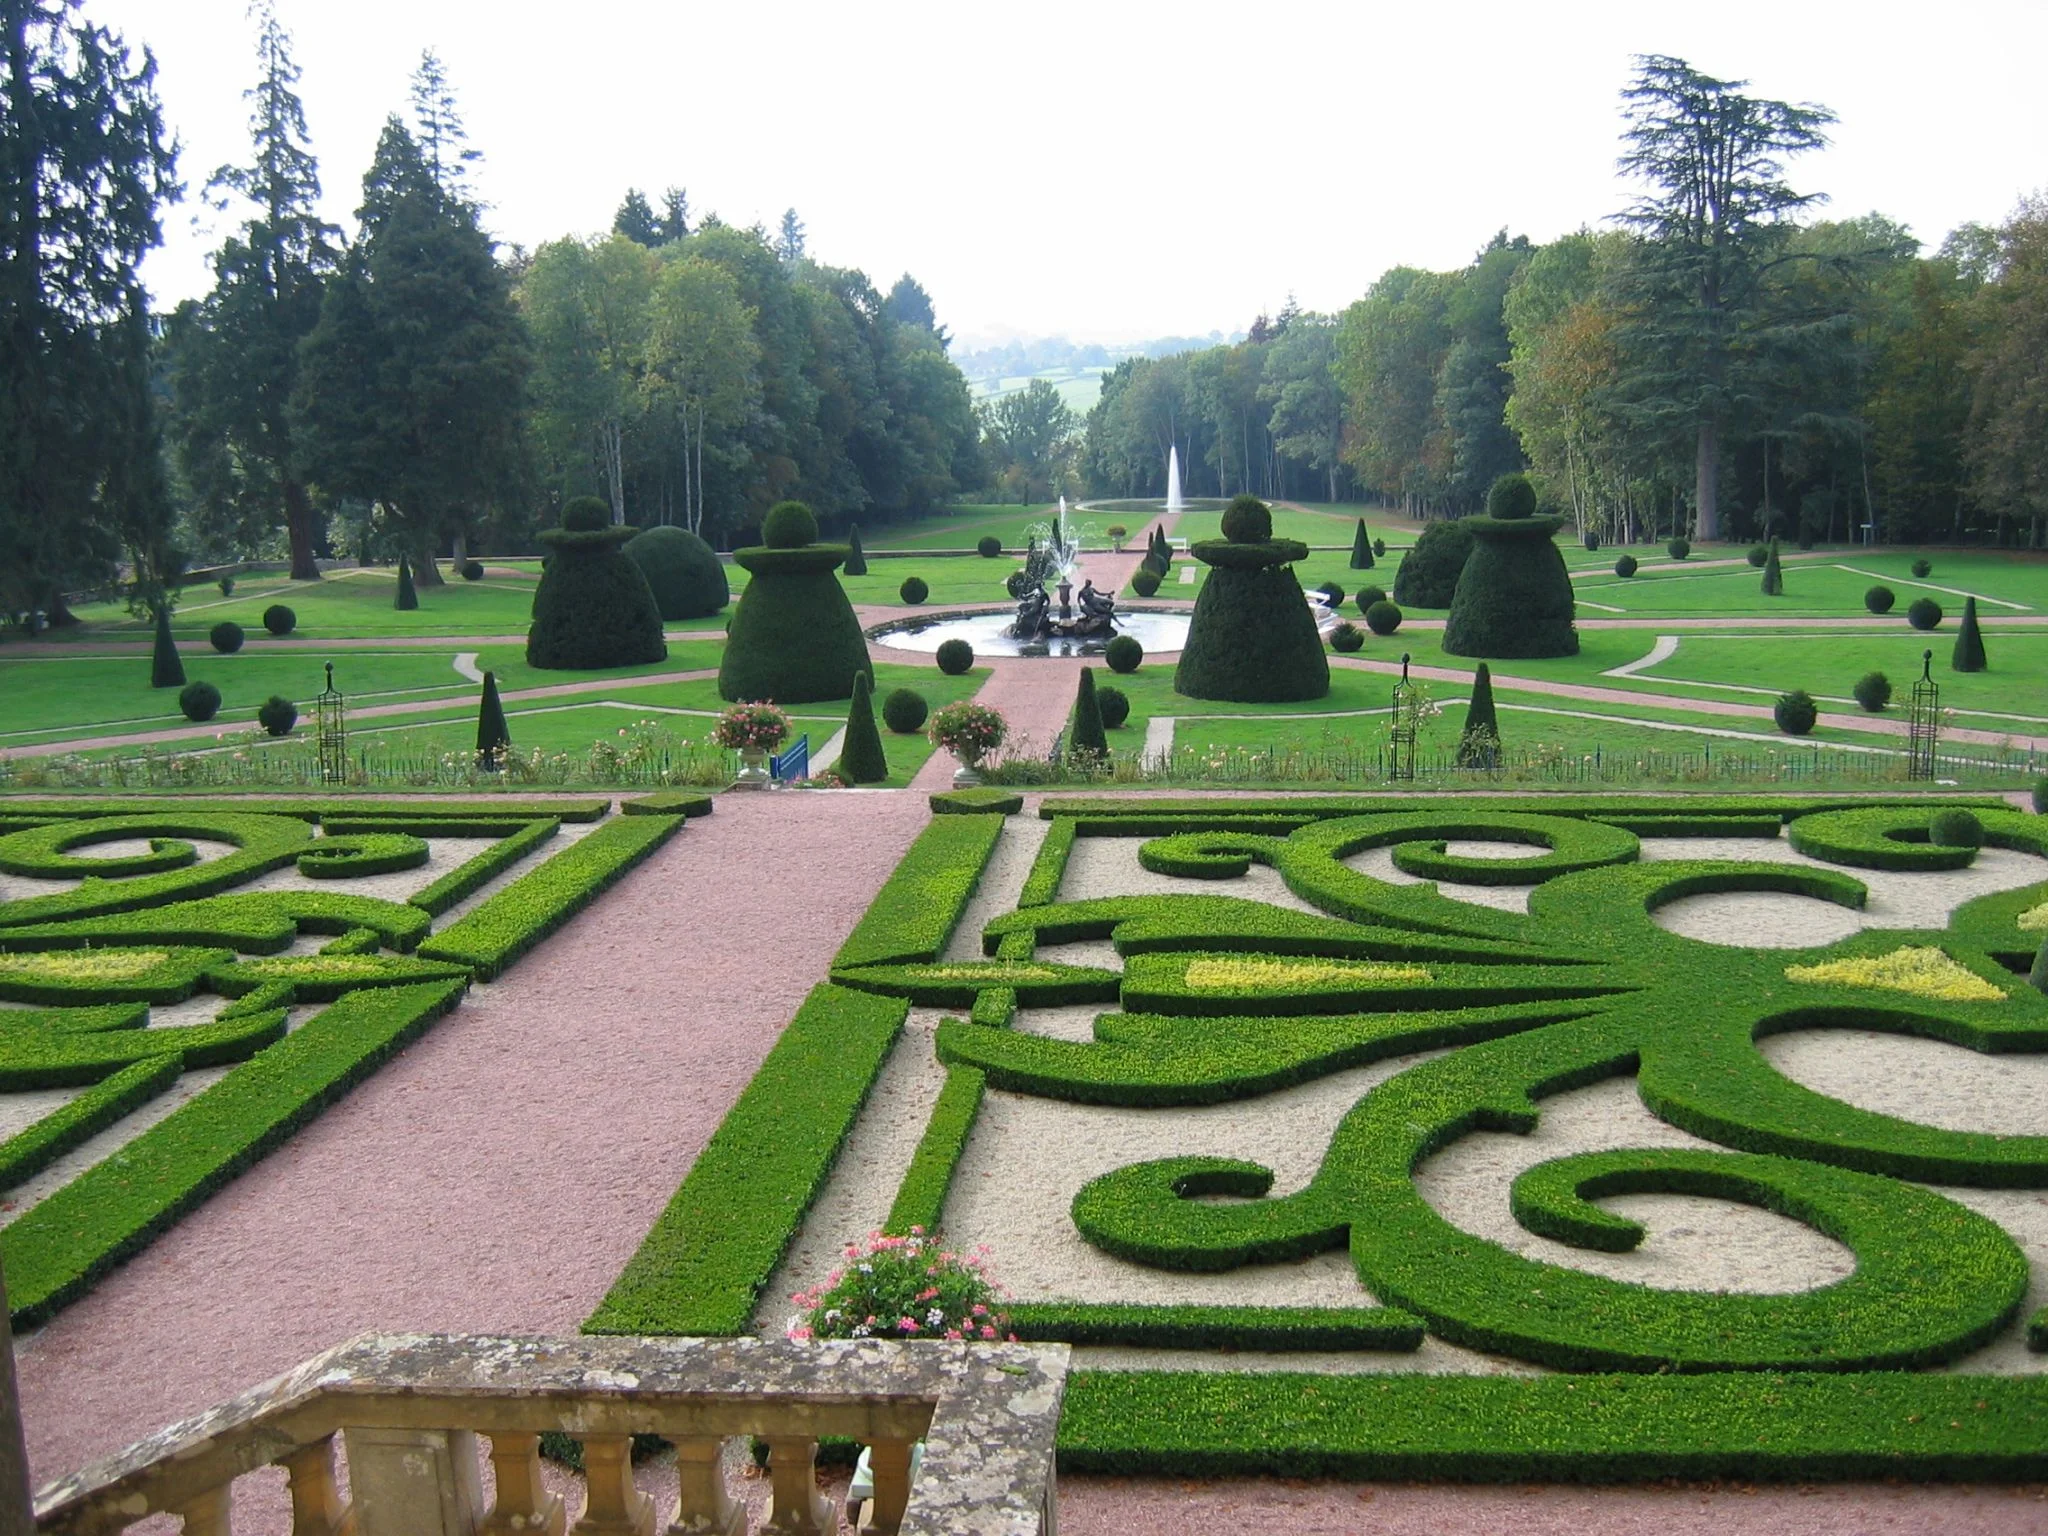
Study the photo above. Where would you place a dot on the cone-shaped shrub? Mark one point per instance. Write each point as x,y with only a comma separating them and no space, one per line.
165,669
493,735
593,607
408,597
794,637
1252,639
1969,652
1774,578
682,571
1479,743
1427,576
1085,738
861,759
856,560
1514,596
1361,548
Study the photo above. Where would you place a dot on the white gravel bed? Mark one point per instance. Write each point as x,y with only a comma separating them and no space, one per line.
1002,881
1108,866
1929,1081
1379,863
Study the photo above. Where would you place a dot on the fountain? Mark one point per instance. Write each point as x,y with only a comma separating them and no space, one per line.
1173,502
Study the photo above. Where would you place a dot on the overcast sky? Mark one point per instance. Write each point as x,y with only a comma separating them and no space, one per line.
1103,170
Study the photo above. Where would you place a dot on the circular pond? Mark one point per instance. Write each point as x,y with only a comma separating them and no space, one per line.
989,634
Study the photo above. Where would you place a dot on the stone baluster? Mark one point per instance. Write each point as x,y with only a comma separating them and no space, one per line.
706,1507
889,1463
796,1507
207,1513
524,1506
317,1509
612,1506
414,1482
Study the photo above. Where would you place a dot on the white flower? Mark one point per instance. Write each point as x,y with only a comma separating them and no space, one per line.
936,1316
867,1269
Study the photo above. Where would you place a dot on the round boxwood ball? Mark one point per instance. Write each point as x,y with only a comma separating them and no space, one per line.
913,589
279,620
1114,705
1510,497
1873,691
226,637
472,570
1247,520
199,701
586,514
682,571
1956,829
1145,582
1679,548
1347,637
1383,618
1880,599
1369,595
1922,569
278,715
1124,654
955,657
1795,712
1333,592
789,525
904,711
1923,613
1758,554
1625,566
988,546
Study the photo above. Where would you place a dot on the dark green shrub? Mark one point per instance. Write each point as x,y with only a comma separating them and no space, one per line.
1774,575
1085,740
1145,581
472,570
1591,540
226,585
1514,596
593,608
1428,575
1922,569
2040,796
789,525
1626,566
861,759
199,701
856,557
1873,691
1955,829
1124,654
1880,599
1379,547
278,715
586,514
1114,704
1679,548
1795,712
279,620
165,669
1383,618
408,595
1347,637
226,637
1511,497
955,657
988,546
1757,555
1361,549
683,572
1924,613
914,589
1805,545
1333,592
1247,520
493,733
793,636
1479,742
904,711
1367,596
1969,651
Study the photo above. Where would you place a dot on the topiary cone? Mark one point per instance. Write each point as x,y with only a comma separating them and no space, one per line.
1774,578
1361,548
1479,743
1085,736
856,561
408,596
165,669
861,759
1969,652
493,734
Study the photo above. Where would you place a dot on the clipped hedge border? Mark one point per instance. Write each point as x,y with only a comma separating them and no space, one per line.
262,843
703,1266
578,808
1042,885
479,871
1221,810
987,800
917,908
510,923
29,1151
921,1197
690,803
251,922
55,1251
352,855
1897,839
957,984
1280,1329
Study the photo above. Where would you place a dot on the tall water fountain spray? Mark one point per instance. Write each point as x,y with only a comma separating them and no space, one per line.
1173,478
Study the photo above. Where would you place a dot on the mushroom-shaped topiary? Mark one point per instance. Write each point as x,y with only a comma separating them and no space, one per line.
1510,498
1514,596
1253,639
682,571
794,637
593,608
1428,574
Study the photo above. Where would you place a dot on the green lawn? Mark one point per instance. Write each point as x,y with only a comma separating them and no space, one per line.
953,581
959,528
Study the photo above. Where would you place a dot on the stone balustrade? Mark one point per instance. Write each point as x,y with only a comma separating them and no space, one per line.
405,1410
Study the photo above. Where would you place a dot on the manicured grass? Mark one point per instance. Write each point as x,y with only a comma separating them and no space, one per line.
1827,665
954,580
961,528
354,602
1818,586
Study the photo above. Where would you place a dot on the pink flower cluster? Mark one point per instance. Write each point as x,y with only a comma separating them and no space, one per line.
903,1287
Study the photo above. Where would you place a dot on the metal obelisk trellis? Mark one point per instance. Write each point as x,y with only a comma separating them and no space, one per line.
1923,721
332,720
1401,729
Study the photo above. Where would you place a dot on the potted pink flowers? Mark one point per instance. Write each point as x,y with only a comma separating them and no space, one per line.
970,732
902,1288
753,731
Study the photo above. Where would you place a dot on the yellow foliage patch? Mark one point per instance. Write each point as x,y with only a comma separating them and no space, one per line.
83,964
2035,919
1232,975
1921,970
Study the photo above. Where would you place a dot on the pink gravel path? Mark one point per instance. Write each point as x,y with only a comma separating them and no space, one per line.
1033,693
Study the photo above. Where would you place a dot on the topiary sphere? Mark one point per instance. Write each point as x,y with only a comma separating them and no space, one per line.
1873,691
1114,705
988,546
1383,618
789,525
1956,829
1511,496
279,620
1795,712
1367,596
682,571
586,514
472,570
913,590
1247,520
1145,582
1758,555
1124,654
1679,548
955,657
1880,599
1922,569
199,701
1347,637
904,711
1333,592
226,637
278,715
1625,566
1923,613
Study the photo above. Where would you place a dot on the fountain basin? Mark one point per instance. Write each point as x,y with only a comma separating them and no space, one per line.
986,632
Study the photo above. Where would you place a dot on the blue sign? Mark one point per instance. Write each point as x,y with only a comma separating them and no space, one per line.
793,764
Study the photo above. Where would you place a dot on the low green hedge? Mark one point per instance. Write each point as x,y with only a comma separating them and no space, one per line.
28,1152
262,843
1316,807
564,808
921,1197
253,922
511,922
352,855
1280,1329
671,802
475,873
915,912
956,983
1896,838
701,1269
986,800
1042,885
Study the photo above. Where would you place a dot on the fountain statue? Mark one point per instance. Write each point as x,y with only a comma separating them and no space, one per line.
1052,552
1173,503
